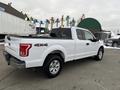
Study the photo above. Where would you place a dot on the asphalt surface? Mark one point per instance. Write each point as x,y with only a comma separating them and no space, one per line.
85,74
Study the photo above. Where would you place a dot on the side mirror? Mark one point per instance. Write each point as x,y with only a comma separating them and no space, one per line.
94,40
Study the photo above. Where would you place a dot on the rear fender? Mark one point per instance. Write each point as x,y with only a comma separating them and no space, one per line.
50,50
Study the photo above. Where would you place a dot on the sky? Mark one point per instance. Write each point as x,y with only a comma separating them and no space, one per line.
107,12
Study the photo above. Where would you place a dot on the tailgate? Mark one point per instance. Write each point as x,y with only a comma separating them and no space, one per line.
12,45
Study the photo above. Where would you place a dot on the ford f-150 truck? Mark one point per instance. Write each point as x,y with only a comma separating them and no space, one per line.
51,51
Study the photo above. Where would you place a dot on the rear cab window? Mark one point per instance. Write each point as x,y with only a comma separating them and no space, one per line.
62,33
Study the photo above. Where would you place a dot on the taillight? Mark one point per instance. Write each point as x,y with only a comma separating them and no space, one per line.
24,49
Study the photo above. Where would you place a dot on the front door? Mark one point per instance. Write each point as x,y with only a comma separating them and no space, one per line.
92,46
84,45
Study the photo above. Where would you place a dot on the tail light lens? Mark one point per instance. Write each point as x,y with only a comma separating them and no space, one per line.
24,49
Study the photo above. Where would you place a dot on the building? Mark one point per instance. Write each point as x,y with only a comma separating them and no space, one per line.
9,9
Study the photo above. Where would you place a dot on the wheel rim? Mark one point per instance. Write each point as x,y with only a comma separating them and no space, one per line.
54,67
100,54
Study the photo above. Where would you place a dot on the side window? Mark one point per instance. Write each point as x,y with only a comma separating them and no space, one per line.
88,35
80,34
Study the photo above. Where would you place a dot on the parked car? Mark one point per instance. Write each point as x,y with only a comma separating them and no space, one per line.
114,42
52,51
104,35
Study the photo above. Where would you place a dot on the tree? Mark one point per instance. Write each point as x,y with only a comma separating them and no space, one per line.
41,22
31,19
73,22
47,22
83,17
35,21
52,22
68,20
10,4
57,22
62,21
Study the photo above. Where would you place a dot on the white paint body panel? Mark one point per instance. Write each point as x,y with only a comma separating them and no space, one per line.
72,49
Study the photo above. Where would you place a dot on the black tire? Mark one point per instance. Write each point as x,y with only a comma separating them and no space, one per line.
53,62
114,44
99,55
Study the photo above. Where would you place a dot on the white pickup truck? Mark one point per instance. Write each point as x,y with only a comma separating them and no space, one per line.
51,51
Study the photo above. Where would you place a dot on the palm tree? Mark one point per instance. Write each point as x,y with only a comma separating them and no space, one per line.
57,22
68,20
41,22
83,17
47,22
62,21
72,23
52,22
31,18
10,4
35,21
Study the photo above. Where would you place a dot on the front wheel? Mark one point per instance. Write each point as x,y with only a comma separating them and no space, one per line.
53,66
99,56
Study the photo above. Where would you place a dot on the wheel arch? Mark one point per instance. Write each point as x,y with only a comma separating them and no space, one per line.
102,47
58,53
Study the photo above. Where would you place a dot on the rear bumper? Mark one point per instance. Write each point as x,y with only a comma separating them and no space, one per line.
11,60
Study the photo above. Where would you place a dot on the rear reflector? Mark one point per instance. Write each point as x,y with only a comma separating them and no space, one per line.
24,49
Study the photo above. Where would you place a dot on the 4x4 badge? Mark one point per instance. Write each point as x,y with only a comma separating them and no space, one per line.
40,44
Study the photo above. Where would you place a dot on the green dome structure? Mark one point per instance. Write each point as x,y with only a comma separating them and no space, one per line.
91,24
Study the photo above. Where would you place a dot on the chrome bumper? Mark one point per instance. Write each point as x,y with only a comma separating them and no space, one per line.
11,60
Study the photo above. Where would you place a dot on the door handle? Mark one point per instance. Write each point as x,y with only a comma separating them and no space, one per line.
87,44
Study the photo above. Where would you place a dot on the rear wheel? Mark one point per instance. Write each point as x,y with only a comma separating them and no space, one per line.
53,66
99,56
